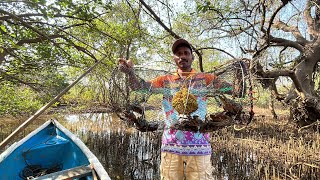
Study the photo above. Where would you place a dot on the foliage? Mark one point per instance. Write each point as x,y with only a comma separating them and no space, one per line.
16,100
37,41
38,46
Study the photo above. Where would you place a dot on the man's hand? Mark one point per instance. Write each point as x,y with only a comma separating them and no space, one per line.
125,66
175,58
135,83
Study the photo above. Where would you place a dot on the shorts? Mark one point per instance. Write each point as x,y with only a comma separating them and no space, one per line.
178,167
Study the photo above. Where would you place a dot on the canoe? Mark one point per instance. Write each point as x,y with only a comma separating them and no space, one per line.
50,152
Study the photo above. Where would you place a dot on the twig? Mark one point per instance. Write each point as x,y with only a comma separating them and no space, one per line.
239,129
302,163
308,126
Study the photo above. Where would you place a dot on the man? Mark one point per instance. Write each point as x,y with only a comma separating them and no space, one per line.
183,153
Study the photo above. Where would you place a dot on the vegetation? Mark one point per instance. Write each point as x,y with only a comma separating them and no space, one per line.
17,100
283,41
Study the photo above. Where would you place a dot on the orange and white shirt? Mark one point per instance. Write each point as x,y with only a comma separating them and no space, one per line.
178,141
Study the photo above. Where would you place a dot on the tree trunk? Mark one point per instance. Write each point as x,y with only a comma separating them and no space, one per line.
271,107
306,110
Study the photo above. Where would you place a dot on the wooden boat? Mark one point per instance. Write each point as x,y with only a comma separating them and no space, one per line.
50,152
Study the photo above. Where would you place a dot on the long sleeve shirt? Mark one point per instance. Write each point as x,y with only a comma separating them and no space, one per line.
178,141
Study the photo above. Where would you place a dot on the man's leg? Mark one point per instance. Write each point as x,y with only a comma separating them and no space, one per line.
199,168
171,167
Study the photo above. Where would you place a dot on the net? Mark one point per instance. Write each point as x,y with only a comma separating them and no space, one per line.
202,100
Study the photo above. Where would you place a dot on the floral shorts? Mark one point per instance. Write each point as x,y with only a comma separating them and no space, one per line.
178,167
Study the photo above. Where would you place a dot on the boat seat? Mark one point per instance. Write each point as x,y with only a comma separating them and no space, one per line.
77,172
48,153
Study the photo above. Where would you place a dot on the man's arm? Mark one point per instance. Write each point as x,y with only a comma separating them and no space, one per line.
135,82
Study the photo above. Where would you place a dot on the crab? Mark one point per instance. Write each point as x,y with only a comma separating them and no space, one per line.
232,114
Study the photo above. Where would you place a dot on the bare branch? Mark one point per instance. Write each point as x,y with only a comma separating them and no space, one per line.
218,50
263,19
274,90
309,20
274,74
271,21
293,29
286,43
280,42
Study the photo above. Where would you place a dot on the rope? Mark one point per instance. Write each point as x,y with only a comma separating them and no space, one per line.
251,112
189,78
33,171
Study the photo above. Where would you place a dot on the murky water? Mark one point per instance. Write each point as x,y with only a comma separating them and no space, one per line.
130,154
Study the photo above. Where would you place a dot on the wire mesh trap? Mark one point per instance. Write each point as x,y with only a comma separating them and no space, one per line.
197,103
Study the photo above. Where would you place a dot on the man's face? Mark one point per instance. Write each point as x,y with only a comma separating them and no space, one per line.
185,59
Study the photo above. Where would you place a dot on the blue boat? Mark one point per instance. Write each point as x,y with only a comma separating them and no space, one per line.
50,152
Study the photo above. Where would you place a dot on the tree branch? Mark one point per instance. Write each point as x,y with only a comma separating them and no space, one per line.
40,15
37,40
309,20
48,37
19,80
274,74
15,17
286,43
271,22
275,92
218,50
293,29
280,42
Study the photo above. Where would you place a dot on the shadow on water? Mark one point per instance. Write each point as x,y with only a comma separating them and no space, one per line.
130,154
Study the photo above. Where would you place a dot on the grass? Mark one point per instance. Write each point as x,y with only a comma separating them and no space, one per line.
278,147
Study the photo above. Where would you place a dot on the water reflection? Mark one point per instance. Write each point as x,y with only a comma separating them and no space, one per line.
125,153
95,117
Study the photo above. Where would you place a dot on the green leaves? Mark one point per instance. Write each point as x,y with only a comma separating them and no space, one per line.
17,100
3,28
203,7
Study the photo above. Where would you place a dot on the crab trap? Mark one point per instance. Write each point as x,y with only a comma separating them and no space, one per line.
154,99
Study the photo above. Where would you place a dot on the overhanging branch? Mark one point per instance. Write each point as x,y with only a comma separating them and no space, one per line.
274,74
10,77
218,50
292,29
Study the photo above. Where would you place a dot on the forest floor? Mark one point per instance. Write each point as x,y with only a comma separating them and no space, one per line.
275,143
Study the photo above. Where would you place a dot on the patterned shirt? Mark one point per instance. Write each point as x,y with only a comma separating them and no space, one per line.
178,141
